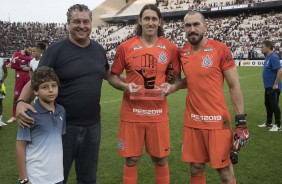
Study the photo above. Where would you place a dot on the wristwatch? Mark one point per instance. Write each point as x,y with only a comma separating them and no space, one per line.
23,181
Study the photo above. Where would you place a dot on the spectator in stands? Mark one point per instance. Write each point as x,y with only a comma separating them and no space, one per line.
207,124
3,75
20,62
272,73
81,66
145,58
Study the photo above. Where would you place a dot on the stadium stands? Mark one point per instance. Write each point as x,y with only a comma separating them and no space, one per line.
175,5
242,32
16,35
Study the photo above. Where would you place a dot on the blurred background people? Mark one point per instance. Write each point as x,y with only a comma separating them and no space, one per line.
3,75
37,52
20,62
272,73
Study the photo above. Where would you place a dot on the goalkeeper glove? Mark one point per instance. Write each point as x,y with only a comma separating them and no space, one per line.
234,157
242,134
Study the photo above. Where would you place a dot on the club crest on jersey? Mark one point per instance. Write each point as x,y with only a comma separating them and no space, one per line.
137,47
121,145
267,62
162,58
208,49
207,61
161,46
186,53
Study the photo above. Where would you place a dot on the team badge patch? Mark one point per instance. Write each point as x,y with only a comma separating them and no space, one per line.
207,61
186,53
161,46
121,144
162,58
267,62
208,49
137,47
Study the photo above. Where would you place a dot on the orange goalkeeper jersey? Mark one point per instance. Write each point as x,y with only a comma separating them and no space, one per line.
206,107
146,67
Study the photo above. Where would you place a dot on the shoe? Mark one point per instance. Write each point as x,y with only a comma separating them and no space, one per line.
2,123
11,120
275,128
265,125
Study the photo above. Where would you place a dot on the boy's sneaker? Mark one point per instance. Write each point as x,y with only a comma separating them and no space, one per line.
2,123
275,128
265,125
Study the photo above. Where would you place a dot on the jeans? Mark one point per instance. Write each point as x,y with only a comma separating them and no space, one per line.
81,144
271,101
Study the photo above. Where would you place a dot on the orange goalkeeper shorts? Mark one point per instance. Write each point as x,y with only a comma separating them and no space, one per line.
133,136
203,145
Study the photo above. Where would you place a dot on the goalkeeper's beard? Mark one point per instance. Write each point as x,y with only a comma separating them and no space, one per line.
193,41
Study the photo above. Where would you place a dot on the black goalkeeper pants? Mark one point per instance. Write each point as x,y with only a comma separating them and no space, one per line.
271,102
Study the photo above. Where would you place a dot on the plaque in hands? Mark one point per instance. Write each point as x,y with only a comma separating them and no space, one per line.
158,93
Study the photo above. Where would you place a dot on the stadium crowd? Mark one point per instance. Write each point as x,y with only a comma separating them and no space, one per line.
243,34
176,5
16,35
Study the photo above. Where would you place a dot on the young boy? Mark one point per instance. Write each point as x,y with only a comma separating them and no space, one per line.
39,152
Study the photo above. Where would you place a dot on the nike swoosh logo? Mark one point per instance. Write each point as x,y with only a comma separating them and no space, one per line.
166,149
223,160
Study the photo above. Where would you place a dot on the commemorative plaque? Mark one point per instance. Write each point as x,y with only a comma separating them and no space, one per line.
148,94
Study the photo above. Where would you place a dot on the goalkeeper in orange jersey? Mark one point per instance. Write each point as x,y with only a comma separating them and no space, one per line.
208,133
144,112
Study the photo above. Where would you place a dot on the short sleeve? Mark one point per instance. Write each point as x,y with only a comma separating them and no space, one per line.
119,61
275,62
24,134
226,61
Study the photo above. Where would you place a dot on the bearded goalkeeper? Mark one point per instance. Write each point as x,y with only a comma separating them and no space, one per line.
208,133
